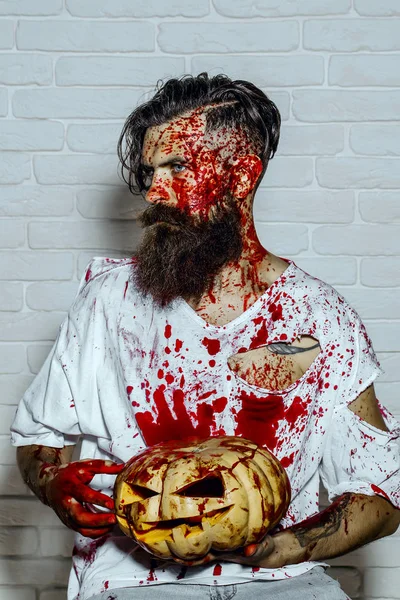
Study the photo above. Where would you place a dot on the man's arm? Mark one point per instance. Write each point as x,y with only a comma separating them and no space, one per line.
64,486
351,521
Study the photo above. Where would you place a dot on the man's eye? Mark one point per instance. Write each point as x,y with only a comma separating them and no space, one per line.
178,168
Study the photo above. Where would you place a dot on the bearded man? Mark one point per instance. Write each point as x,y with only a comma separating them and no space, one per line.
204,333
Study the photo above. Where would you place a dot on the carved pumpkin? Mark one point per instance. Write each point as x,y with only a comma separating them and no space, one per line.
185,498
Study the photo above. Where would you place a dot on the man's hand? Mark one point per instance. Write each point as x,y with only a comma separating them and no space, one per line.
64,485
68,493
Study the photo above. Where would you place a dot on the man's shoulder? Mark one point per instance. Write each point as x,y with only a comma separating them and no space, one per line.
101,266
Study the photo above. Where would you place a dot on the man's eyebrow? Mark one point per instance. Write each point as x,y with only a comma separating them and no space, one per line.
166,162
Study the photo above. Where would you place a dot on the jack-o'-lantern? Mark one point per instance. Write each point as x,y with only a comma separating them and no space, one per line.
182,499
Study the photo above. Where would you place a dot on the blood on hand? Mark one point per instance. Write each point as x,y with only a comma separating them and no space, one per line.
68,493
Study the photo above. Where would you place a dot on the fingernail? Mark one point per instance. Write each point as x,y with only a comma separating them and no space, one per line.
250,550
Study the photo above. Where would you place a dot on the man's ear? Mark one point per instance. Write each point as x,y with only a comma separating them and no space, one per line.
244,175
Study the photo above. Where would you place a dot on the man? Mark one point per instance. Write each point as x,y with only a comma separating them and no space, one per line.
206,333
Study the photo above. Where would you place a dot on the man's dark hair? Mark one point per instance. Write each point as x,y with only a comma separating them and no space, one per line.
243,106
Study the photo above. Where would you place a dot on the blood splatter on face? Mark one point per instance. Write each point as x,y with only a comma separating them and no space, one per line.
191,168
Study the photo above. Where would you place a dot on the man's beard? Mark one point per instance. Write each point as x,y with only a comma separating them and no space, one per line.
179,255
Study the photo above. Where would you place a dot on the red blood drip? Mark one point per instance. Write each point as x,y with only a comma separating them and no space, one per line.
129,390
213,346
379,491
261,336
276,311
286,461
167,331
178,345
88,275
167,427
255,569
259,418
126,287
217,570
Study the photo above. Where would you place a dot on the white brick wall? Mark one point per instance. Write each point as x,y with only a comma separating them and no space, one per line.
71,71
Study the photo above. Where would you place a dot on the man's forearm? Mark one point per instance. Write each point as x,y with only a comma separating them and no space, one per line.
350,522
35,464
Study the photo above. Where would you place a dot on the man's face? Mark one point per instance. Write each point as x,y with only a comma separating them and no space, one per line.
188,168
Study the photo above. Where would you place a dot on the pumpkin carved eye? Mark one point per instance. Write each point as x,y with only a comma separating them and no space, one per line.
142,492
209,487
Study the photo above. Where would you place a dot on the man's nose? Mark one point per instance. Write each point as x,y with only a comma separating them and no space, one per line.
158,191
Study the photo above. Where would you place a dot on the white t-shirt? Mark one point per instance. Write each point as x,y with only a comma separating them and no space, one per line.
124,373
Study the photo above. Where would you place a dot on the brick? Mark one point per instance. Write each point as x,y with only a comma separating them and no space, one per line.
114,203
36,266
373,304
282,101
27,7
14,167
383,8
351,35
76,103
36,201
378,579
311,139
378,140
17,593
86,36
56,542
6,35
379,207
380,272
289,172
385,337
18,541
30,326
12,358
349,579
390,364
13,387
388,394
283,239
381,553
97,138
7,452
27,512
141,8
32,571
51,296
12,233
364,69
7,413
335,271
11,484
117,70
22,69
12,295
349,172
311,206
83,234
279,71
283,8
76,169
3,102
361,240
190,37
85,257
342,105
58,594
31,135
37,354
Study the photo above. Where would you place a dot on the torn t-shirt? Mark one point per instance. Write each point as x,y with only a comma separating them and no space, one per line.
124,374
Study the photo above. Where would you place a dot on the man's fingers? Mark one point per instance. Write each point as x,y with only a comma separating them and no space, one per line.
85,494
97,466
85,518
